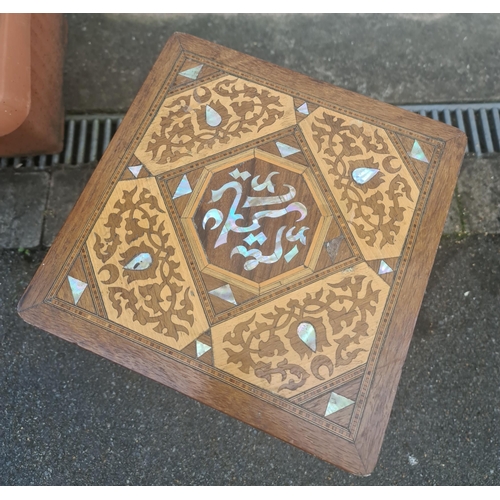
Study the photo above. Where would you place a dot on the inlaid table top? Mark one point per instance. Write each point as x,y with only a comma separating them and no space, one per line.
259,241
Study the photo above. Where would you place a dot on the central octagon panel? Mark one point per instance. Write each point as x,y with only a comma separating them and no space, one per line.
257,219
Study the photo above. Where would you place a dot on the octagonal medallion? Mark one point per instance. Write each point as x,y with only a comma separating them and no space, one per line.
256,218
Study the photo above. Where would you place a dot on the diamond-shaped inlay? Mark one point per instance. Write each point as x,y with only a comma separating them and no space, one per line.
236,174
251,239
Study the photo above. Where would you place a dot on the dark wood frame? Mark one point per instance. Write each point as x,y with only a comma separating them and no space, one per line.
358,457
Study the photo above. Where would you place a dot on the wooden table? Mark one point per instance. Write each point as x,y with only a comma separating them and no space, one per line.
259,241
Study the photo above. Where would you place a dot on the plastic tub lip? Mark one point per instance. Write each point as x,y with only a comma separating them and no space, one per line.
15,71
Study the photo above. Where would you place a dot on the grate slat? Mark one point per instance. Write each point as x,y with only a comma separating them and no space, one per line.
461,125
496,121
94,140
486,131
474,132
88,136
107,134
82,139
447,117
68,152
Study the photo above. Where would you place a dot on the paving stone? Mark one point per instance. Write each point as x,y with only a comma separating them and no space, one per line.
23,196
66,185
479,194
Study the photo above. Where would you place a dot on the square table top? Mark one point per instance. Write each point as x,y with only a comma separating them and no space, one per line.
259,241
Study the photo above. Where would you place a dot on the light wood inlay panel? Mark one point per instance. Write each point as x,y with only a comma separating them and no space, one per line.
161,301
380,210
264,348
180,132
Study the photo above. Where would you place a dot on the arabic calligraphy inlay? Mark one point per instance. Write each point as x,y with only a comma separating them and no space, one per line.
257,219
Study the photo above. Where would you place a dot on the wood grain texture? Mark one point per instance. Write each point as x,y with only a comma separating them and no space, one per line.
259,241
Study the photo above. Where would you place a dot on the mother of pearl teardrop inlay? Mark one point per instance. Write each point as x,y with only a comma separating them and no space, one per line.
213,118
363,175
307,334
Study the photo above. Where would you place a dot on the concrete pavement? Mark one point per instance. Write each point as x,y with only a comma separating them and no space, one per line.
396,58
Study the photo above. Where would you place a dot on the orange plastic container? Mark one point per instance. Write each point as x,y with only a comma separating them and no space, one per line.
31,77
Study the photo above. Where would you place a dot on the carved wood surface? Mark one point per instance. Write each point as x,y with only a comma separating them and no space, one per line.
259,241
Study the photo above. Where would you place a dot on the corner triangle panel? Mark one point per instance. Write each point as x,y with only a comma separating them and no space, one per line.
303,108
201,349
178,189
385,268
285,147
183,188
134,170
220,305
337,402
75,289
224,292
334,251
321,406
335,248
337,405
418,154
192,73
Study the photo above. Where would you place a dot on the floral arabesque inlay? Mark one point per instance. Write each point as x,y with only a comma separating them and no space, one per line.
155,293
270,347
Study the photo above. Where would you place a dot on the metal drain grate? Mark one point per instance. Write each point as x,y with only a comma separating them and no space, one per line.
481,122
85,140
88,136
